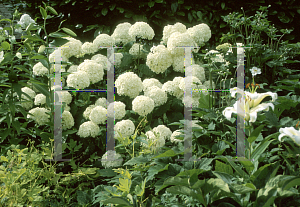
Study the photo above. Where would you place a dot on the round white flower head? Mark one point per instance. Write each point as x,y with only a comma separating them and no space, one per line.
188,101
40,99
88,129
67,120
207,85
170,29
52,60
73,68
93,69
98,115
163,131
125,127
25,20
176,134
118,59
121,35
142,30
200,33
154,142
148,82
89,48
29,92
71,48
118,110
102,60
180,39
159,59
129,84
158,95
103,40
173,89
198,72
66,97
101,102
134,51
87,111
111,159
19,55
255,71
178,63
142,105
32,87
39,69
39,115
67,108
193,86
78,80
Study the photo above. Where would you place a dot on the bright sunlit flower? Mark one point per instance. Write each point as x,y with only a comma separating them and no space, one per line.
87,129
141,30
255,71
290,132
19,55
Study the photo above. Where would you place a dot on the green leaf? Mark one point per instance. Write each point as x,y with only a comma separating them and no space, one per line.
181,13
169,153
42,88
117,200
211,126
289,182
51,10
159,1
39,57
58,34
242,189
4,159
6,133
104,11
174,7
5,45
260,149
43,12
83,198
255,133
120,9
179,190
112,7
247,164
16,125
266,197
151,4
137,160
190,17
237,168
222,167
224,176
69,32
222,5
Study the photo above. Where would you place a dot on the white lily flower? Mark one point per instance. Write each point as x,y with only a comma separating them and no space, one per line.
255,71
290,132
248,105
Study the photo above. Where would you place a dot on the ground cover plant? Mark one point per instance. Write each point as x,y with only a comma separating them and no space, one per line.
149,117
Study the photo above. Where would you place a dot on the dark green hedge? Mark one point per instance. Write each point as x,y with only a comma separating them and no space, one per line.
88,17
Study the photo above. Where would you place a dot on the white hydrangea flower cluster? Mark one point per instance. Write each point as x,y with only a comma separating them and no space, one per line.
207,84
52,60
40,99
134,51
71,48
39,115
177,132
158,95
178,63
198,72
163,131
170,29
154,142
93,69
39,69
66,97
78,80
102,60
119,110
89,48
67,120
108,163
141,30
98,115
73,68
121,35
193,86
103,40
101,102
88,110
148,82
125,127
142,105
118,59
200,33
87,129
26,103
129,84
180,39
172,87
159,59
25,20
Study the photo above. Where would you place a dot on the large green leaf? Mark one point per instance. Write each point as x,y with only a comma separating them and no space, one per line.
221,167
255,133
117,200
260,149
289,182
